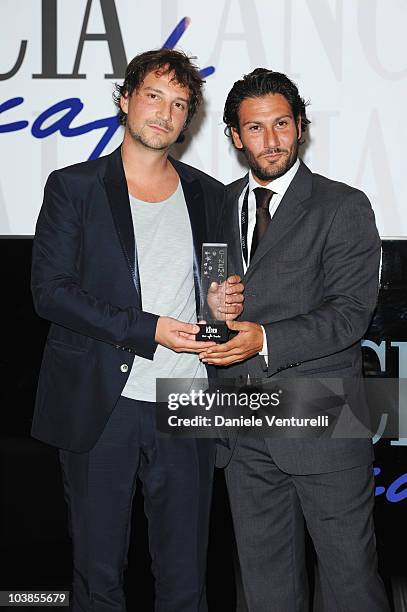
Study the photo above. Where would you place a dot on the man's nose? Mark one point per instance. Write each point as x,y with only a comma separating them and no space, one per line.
271,138
164,111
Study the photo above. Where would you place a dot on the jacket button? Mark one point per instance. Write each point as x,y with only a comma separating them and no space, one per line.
124,367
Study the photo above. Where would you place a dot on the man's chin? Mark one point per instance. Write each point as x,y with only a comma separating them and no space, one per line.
155,144
158,146
272,171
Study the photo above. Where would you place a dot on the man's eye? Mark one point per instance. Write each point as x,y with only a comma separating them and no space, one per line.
180,105
153,96
253,128
282,123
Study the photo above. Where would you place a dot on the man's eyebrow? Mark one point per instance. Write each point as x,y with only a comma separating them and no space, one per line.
287,116
160,91
154,89
250,121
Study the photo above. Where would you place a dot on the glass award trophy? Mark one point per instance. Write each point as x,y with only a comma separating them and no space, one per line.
213,293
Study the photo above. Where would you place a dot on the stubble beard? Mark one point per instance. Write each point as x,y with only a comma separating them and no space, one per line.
272,171
150,142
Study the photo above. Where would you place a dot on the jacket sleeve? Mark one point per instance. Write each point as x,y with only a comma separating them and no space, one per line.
350,261
55,283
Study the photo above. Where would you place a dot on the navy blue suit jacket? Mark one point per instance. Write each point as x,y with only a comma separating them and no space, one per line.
85,281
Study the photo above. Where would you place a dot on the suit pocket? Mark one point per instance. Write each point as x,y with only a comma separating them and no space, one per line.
334,367
59,345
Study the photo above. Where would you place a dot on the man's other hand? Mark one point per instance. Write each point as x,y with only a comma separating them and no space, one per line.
179,336
248,342
225,300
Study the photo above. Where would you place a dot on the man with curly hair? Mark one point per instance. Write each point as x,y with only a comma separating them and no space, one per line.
116,265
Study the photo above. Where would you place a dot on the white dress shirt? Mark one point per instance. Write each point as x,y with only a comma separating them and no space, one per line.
279,186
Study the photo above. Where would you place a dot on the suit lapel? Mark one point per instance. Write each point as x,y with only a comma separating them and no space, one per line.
117,193
288,212
231,225
195,202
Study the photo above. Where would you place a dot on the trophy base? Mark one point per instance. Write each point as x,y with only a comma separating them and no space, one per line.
213,332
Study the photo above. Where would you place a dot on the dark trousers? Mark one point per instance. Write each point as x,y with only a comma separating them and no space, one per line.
99,487
268,509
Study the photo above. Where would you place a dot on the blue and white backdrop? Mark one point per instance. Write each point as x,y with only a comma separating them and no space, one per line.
59,60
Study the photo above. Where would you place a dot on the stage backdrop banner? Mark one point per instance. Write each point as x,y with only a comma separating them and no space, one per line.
59,61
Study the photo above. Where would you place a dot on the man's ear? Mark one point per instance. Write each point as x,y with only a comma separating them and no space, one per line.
124,103
299,130
236,138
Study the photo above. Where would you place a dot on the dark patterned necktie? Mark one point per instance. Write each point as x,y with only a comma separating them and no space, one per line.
263,197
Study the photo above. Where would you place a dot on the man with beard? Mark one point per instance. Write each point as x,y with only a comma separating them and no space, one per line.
309,251
115,266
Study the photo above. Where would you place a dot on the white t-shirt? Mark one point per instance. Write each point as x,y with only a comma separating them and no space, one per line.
164,245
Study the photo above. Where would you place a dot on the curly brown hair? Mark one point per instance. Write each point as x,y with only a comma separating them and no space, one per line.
186,73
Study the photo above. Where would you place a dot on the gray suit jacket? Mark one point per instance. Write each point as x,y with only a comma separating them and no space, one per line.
313,285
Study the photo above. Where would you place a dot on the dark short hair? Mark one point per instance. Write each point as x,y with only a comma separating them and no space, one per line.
185,73
259,83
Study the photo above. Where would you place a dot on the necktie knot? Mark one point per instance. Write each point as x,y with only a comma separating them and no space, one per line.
263,197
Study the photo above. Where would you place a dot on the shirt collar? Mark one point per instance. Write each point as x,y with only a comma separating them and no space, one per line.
280,184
